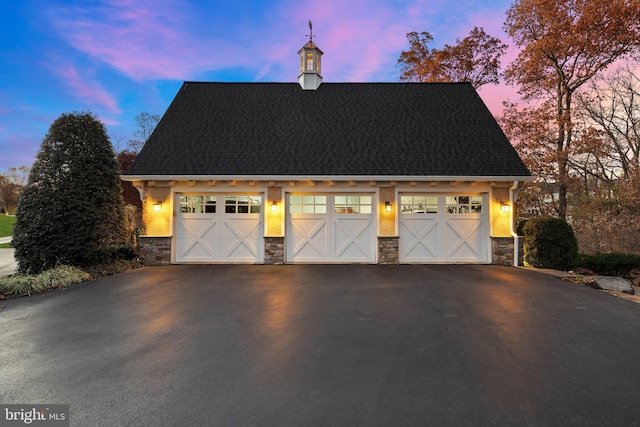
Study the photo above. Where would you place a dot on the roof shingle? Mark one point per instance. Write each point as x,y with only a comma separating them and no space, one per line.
359,129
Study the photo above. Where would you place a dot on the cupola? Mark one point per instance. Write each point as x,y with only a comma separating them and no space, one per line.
310,54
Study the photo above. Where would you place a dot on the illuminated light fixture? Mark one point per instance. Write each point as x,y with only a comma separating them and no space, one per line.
274,206
505,207
387,206
157,206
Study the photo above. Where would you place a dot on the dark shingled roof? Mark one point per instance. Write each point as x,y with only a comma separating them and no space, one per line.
365,129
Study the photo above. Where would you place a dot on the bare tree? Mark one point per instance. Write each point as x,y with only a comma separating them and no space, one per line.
146,124
611,106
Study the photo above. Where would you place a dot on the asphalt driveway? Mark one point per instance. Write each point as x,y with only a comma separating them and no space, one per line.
325,345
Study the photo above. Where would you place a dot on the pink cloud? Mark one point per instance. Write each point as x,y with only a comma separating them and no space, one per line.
141,39
87,90
362,39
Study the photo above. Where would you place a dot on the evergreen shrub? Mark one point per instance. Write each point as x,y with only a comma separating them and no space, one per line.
550,243
71,211
610,264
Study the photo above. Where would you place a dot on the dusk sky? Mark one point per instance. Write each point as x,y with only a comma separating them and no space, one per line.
117,58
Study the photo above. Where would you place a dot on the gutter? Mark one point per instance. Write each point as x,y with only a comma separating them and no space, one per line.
516,240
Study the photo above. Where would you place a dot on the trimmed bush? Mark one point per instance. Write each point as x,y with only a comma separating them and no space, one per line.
550,243
71,212
610,264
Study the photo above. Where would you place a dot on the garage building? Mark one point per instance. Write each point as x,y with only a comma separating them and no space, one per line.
314,172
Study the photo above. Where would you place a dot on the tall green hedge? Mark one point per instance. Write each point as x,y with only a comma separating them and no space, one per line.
550,243
71,211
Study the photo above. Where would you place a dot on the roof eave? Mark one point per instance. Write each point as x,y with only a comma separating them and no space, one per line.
401,178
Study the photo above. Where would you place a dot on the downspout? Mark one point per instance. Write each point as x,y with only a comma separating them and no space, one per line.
516,240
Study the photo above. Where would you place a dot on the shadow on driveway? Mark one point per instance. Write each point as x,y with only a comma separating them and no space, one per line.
325,345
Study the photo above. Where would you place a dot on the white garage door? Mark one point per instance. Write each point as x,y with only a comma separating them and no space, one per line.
219,228
330,228
443,228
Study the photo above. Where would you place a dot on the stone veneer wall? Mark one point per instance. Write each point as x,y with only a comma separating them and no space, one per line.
388,250
502,250
274,250
154,250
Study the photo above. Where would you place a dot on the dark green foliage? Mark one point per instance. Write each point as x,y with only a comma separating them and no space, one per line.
520,227
123,252
550,243
610,264
71,211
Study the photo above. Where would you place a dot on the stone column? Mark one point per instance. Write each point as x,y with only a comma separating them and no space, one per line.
388,250
154,250
502,250
274,250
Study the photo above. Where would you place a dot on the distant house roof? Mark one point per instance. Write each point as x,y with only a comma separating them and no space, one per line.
340,129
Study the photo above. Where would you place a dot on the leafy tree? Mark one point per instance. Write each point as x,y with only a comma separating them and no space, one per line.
71,211
474,59
8,195
564,44
11,184
146,124
531,130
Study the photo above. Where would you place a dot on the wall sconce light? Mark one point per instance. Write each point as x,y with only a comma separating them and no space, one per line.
274,206
157,206
505,207
387,206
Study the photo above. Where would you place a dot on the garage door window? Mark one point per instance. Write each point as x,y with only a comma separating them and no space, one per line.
353,204
414,204
197,204
242,204
308,204
464,204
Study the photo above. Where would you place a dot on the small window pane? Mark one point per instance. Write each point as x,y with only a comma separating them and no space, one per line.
294,200
419,204
321,200
294,208
307,209
365,209
321,209
341,200
365,200
464,204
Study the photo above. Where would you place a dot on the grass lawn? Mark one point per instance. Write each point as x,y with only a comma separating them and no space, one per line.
6,225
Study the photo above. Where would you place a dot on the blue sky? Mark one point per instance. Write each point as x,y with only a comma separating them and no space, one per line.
117,58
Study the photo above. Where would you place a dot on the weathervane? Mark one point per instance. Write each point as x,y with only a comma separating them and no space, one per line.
310,35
